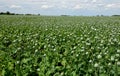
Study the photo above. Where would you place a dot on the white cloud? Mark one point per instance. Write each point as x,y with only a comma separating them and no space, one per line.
15,7
46,6
77,7
113,5
64,6
94,1
110,5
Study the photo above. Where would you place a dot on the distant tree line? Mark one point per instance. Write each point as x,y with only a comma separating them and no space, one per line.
116,15
6,13
65,15
9,13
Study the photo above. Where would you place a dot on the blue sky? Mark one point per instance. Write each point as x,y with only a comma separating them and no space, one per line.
59,7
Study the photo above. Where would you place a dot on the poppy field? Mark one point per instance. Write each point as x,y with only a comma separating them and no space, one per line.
59,46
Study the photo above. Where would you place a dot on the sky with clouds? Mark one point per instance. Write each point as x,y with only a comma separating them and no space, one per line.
59,7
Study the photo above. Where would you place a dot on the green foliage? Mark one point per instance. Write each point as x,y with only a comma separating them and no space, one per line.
59,46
